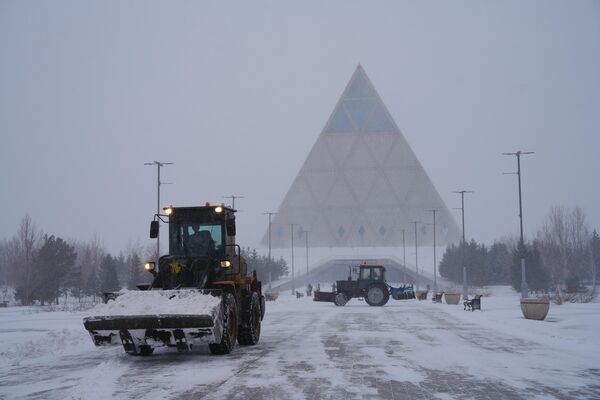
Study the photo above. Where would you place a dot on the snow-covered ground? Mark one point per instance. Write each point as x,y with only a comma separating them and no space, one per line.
405,350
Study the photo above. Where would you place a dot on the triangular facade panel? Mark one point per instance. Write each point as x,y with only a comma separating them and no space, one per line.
361,185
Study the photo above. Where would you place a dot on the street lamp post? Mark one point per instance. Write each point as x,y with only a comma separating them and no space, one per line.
462,208
434,255
404,253
416,257
233,197
158,165
306,237
269,214
293,283
524,289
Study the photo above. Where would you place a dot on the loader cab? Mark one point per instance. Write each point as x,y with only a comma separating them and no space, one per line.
201,232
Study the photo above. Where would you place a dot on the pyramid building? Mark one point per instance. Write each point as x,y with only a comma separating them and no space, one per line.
361,184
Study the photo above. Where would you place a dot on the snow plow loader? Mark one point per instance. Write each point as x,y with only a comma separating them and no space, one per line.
200,293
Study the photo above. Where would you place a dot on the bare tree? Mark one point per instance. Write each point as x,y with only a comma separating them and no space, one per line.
22,258
565,245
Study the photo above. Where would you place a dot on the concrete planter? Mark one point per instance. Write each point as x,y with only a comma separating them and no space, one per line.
535,308
452,298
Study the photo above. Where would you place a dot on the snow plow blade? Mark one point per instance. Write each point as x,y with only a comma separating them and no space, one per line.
143,320
324,296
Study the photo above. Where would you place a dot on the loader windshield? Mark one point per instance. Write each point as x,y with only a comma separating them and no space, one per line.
195,239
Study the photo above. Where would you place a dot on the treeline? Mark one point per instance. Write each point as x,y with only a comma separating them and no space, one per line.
42,267
264,266
564,255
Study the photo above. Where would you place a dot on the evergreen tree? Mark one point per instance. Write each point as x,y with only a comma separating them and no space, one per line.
476,262
72,281
499,264
109,281
536,274
263,266
451,264
52,262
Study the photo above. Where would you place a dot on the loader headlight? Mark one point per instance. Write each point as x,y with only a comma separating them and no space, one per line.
218,209
168,210
225,264
149,266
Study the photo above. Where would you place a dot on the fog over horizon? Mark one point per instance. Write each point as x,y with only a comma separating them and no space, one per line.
235,95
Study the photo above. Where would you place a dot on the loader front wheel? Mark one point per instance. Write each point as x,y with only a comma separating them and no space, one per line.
249,331
230,327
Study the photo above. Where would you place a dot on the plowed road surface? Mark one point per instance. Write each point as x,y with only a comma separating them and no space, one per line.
308,350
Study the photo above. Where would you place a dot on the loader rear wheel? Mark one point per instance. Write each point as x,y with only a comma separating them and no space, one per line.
377,295
230,327
249,331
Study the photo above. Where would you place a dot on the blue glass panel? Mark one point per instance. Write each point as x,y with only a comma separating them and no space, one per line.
340,123
380,121
359,111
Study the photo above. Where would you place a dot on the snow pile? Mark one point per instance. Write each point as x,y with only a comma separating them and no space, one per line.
53,343
159,302
7,295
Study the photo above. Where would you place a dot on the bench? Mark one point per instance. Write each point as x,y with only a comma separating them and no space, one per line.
473,304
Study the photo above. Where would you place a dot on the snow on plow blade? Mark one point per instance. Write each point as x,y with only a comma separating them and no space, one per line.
142,320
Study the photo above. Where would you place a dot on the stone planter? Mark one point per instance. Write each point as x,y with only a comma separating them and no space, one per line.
535,308
452,298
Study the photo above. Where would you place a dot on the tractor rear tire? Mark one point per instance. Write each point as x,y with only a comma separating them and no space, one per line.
340,300
230,327
377,295
249,330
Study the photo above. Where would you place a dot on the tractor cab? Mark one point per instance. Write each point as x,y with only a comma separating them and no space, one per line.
361,277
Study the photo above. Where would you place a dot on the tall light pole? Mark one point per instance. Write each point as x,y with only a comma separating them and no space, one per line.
416,257
233,197
404,253
269,214
158,165
293,283
462,208
306,237
434,257
524,289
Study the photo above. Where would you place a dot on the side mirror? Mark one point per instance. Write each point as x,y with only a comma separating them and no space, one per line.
230,227
153,229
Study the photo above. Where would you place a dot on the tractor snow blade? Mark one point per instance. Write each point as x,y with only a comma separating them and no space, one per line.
324,296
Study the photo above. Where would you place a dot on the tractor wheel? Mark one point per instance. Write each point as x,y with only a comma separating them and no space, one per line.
249,331
230,327
377,295
340,299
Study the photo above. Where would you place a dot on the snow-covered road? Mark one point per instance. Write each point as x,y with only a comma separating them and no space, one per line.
308,350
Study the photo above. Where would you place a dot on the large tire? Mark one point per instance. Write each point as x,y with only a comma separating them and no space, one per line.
340,300
249,330
230,327
377,295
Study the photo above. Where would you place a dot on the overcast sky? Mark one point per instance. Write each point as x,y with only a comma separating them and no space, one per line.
236,94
